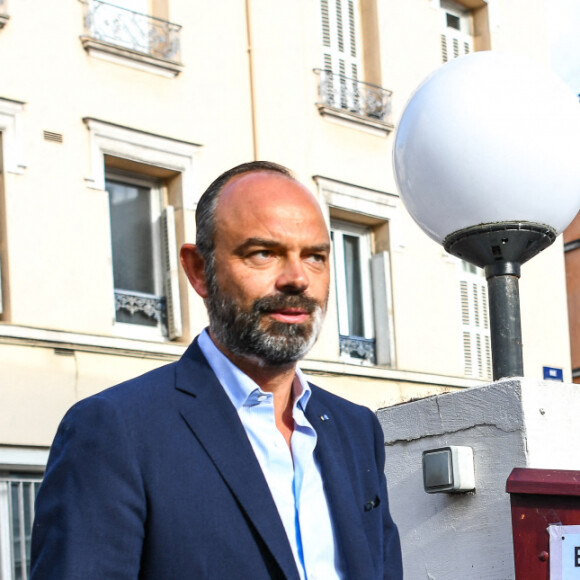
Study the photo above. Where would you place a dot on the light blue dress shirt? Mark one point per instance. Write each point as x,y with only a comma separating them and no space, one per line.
293,476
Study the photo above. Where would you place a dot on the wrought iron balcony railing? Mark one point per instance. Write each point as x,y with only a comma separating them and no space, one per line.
358,348
150,305
353,96
132,30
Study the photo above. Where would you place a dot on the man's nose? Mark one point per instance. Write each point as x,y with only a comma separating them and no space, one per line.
293,277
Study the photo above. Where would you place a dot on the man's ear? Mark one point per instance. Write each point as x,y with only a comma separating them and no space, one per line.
194,266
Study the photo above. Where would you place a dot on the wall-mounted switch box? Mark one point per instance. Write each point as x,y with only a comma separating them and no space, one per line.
448,469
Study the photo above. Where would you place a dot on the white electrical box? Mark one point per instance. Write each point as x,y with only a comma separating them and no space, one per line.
448,469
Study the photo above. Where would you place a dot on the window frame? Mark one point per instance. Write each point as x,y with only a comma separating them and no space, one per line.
16,464
142,147
157,204
162,156
10,126
372,209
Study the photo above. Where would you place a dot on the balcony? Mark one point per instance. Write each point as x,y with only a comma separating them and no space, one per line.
120,35
353,101
3,14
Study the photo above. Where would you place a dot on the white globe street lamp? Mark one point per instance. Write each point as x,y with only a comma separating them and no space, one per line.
487,162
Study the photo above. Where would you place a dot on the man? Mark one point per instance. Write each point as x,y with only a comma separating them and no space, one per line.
227,464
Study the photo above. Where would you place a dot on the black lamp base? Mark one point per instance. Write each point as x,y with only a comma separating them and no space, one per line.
501,246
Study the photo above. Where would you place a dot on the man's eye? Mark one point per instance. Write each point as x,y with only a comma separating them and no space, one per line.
317,258
261,255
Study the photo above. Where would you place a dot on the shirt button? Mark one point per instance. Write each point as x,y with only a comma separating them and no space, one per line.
262,398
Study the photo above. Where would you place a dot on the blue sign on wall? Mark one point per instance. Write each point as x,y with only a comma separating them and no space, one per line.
553,374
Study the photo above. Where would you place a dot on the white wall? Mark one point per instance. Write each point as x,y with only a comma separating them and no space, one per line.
511,423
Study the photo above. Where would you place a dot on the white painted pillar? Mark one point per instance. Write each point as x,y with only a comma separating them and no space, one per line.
510,423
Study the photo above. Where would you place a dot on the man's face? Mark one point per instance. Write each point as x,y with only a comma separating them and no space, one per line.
268,288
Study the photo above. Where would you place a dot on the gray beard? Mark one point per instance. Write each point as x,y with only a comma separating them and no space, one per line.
247,332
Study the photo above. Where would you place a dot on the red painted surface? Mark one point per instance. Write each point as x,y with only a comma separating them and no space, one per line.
540,497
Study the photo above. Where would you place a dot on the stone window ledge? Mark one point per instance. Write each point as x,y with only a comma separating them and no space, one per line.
349,118
132,58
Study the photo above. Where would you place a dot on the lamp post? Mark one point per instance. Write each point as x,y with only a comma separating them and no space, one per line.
487,162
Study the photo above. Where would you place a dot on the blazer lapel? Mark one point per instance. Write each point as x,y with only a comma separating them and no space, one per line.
215,423
337,477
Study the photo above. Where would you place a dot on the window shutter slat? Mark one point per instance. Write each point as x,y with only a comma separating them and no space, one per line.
464,303
467,354
444,54
352,29
325,23
339,26
455,48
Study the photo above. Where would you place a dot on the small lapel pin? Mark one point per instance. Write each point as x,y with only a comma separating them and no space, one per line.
324,417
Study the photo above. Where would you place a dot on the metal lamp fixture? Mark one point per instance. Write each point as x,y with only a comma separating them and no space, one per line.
487,162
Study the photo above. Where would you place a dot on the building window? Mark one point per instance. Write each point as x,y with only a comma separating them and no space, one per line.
10,115
351,246
11,161
124,32
474,321
17,495
20,476
456,30
364,227
362,295
144,252
341,91
149,182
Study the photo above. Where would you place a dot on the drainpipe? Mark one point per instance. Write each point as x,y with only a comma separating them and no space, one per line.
251,78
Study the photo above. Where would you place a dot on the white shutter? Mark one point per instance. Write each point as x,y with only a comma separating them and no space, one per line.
1,300
171,273
383,309
475,326
340,42
456,37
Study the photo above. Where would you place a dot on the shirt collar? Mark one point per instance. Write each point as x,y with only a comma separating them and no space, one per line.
239,387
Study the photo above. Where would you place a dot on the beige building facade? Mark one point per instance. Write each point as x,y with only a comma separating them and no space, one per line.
113,120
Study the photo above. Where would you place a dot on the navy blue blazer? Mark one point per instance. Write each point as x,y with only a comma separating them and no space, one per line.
155,479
